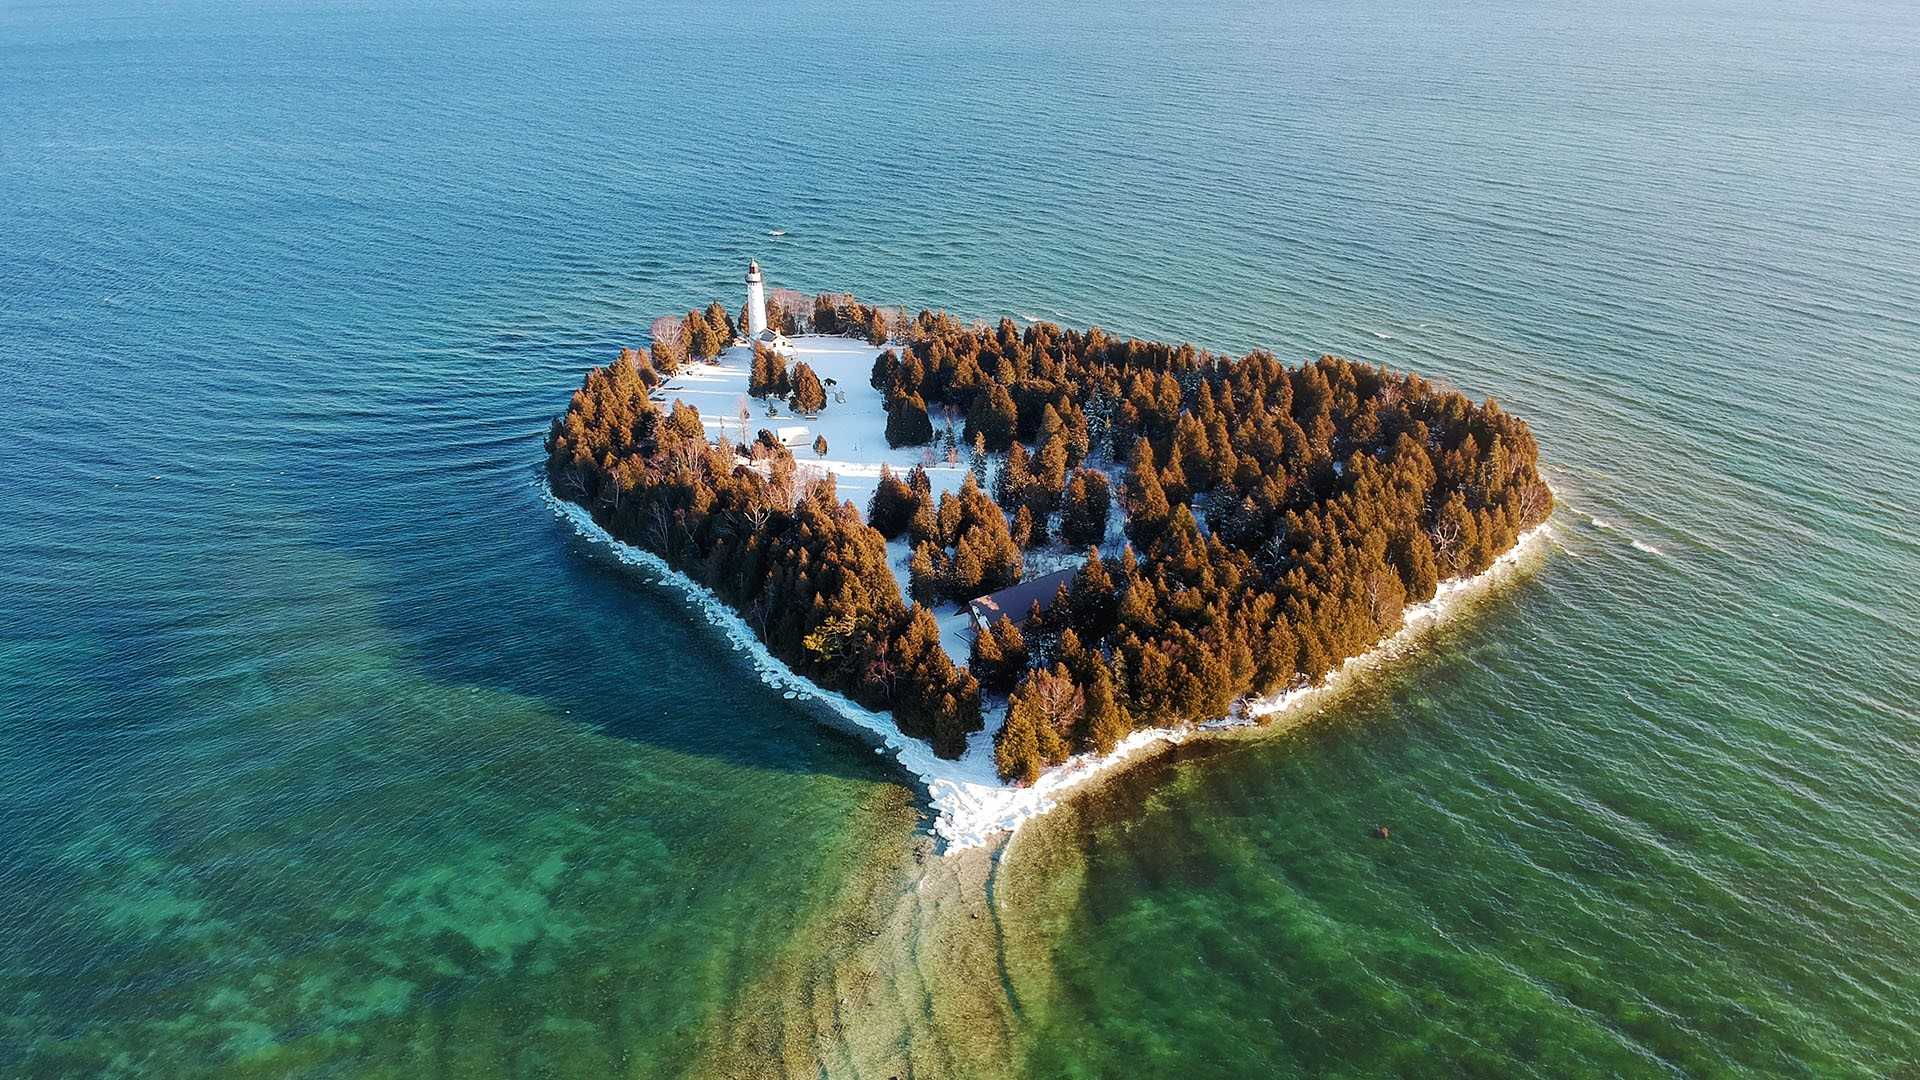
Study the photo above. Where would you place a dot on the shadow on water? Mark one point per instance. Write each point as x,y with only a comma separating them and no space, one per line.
328,860
767,743
531,608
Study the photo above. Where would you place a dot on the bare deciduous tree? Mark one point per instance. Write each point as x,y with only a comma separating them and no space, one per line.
1059,701
1382,613
1535,500
791,302
659,527
758,516
808,477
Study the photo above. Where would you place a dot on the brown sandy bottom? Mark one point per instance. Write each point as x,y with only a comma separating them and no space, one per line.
930,966
924,966
938,966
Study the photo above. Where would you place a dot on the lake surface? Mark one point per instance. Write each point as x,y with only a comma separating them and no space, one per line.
327,750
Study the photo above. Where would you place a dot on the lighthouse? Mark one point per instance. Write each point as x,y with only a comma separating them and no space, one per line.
756,302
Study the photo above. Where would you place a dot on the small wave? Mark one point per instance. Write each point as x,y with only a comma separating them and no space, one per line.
1382,335
1642,545
1601,523
776,232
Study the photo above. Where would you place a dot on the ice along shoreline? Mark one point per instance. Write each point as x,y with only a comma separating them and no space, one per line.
972,806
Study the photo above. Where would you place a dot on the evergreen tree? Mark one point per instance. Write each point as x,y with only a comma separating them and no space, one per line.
968,571
993,417
768,375
885,375
1068,651
779,379
920,484
1010,487
1051,427
933,698
1147,508
985,659
1049,476
1016,748
957,715
999,655
1023,529
924,576
1418,570
1084,510
977,458
700,337
1107,721
907,421
757,372
721,322
808,396
924,526
1093,599
891,509
1079,442
715,338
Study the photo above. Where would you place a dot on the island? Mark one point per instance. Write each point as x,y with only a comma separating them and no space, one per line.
1022,552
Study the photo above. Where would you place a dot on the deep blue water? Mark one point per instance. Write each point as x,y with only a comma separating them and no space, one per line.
326,750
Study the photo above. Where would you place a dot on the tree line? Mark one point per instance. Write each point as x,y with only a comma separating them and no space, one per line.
797,562
1277,520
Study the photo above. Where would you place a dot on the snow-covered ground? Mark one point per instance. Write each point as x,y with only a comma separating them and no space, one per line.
856,428
971,804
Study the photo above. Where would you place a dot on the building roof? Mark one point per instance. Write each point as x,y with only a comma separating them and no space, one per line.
753,268
1017,599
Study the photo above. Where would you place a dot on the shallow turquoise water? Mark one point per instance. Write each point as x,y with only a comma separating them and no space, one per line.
327,750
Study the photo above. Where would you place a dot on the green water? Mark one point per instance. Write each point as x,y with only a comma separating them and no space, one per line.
368,869
1638,910
326,750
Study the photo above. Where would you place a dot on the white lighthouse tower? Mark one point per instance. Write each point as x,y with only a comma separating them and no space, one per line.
756,303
